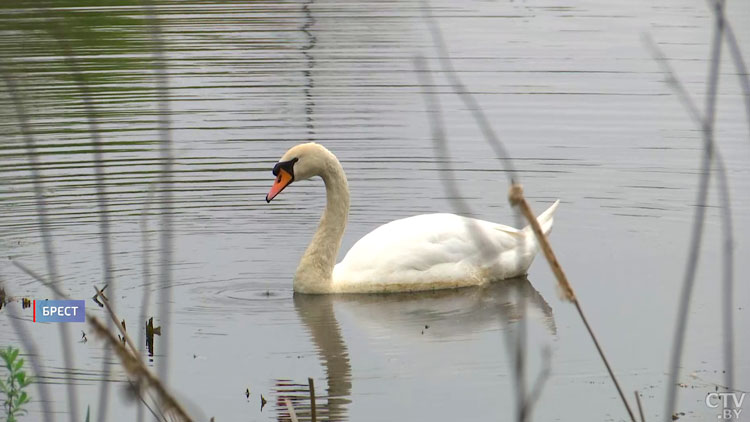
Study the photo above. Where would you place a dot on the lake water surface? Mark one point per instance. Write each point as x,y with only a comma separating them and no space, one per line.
570,88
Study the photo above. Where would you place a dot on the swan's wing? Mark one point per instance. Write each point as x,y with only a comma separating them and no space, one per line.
427,251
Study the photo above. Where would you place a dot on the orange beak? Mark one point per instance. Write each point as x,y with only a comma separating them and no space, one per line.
282,180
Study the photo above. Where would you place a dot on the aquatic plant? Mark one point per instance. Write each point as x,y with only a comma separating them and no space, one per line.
13,386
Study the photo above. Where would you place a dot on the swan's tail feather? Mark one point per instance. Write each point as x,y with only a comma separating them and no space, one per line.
545,219
518,259
531,246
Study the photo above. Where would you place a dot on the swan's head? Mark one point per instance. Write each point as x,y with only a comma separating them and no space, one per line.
301,162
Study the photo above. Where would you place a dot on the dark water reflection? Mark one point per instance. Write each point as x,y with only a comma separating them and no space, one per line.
579,102
443,314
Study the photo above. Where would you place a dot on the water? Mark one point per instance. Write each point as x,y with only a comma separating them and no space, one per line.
571,89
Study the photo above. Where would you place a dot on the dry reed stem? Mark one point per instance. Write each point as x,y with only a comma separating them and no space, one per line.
290,408
146,272
166,239
640,406
46,235
89,111
134,367
133,349
517,199
700,212
744,82
516,339
739,62
471,103
313,408
115,319
725,202
130,359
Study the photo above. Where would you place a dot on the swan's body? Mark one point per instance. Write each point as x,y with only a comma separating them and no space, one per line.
424,252
434,251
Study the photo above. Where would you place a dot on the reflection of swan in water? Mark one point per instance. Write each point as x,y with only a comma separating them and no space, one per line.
448,313
317,315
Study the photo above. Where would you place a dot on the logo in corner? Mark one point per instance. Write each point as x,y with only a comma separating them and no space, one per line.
729,404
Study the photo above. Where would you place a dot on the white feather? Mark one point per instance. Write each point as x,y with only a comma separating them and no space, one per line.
434,251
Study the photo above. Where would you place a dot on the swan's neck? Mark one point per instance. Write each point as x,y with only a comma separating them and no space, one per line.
315,271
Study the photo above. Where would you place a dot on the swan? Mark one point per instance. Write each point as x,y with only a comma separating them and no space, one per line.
423,252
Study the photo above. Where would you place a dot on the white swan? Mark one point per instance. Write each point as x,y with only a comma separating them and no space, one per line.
424,252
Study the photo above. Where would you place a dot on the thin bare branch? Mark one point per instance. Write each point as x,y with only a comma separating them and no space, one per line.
130,359
146,272
726,212
516,340
699,218
726,215
135,368
672,80
739,62
447,173
728,291
517,199
52,286
47,243
116,320
101,190
165,138
640,406
136,390
471,103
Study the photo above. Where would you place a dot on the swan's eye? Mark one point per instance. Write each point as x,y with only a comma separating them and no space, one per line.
287,166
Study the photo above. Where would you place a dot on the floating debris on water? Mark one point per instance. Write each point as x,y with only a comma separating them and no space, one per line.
150,331
96,296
